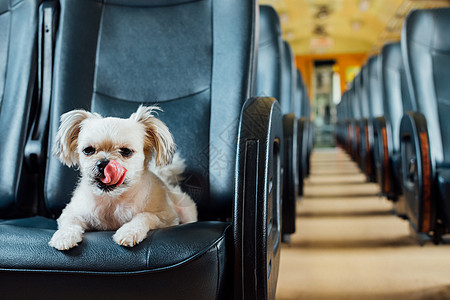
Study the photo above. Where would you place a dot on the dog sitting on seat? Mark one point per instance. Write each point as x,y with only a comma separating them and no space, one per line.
129,177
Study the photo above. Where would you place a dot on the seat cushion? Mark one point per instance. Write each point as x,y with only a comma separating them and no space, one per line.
23,245
169,260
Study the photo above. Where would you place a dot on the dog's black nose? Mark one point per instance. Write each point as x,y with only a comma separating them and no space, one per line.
101,164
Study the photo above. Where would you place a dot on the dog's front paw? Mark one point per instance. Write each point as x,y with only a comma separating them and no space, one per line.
129,236
65,239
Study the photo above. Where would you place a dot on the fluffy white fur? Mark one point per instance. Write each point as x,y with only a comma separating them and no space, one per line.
149,197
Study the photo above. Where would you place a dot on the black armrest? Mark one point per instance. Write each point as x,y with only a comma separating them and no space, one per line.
349,136
257,223
302,148
418,172
311,130
364,144
290,177
382,152
35,148
356,138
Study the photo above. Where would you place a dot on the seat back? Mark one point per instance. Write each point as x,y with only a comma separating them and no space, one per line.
346,113
300,97
395,94
426,54
306,105
289,80
183,55
375,100
356,97
362,88
269,81
18,65
345,117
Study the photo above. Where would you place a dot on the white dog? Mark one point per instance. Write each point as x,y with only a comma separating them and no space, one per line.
128,182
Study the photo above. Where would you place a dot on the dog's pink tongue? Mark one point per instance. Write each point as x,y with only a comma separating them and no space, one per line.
114,174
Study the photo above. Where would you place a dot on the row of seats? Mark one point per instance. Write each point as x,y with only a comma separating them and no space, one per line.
278,77
243,138
394,122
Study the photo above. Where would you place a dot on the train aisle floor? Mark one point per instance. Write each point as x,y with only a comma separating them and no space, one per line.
349,244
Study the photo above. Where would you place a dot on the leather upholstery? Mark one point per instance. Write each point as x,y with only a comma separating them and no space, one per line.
375,100
427,62
304,111
341,126
426,57
18,67
375,110
270,52
363,91
117,78
391,73
158,268
306,107
257,240
356,97
303,130
289,80
274,79
355,113
366,132
349,120
164,248
300,96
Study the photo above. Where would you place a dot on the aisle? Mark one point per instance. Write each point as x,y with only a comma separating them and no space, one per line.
349,245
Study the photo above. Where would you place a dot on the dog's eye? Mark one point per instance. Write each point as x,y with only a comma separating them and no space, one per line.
125,152
89,150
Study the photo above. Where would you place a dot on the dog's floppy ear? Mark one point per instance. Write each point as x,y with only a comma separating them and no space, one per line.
159,141
66,140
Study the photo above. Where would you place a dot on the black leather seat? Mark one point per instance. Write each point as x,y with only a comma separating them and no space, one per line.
345,121
347,113
340,121
274,79
362,89
291,133
356,100
18,101
270,54
375,99
187,57
343,117
425,136
375,110
308,129
352,119
289,81
396,101
302,113
299,94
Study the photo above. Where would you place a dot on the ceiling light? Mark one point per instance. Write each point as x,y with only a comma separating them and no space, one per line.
290,35
356,24
364,5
